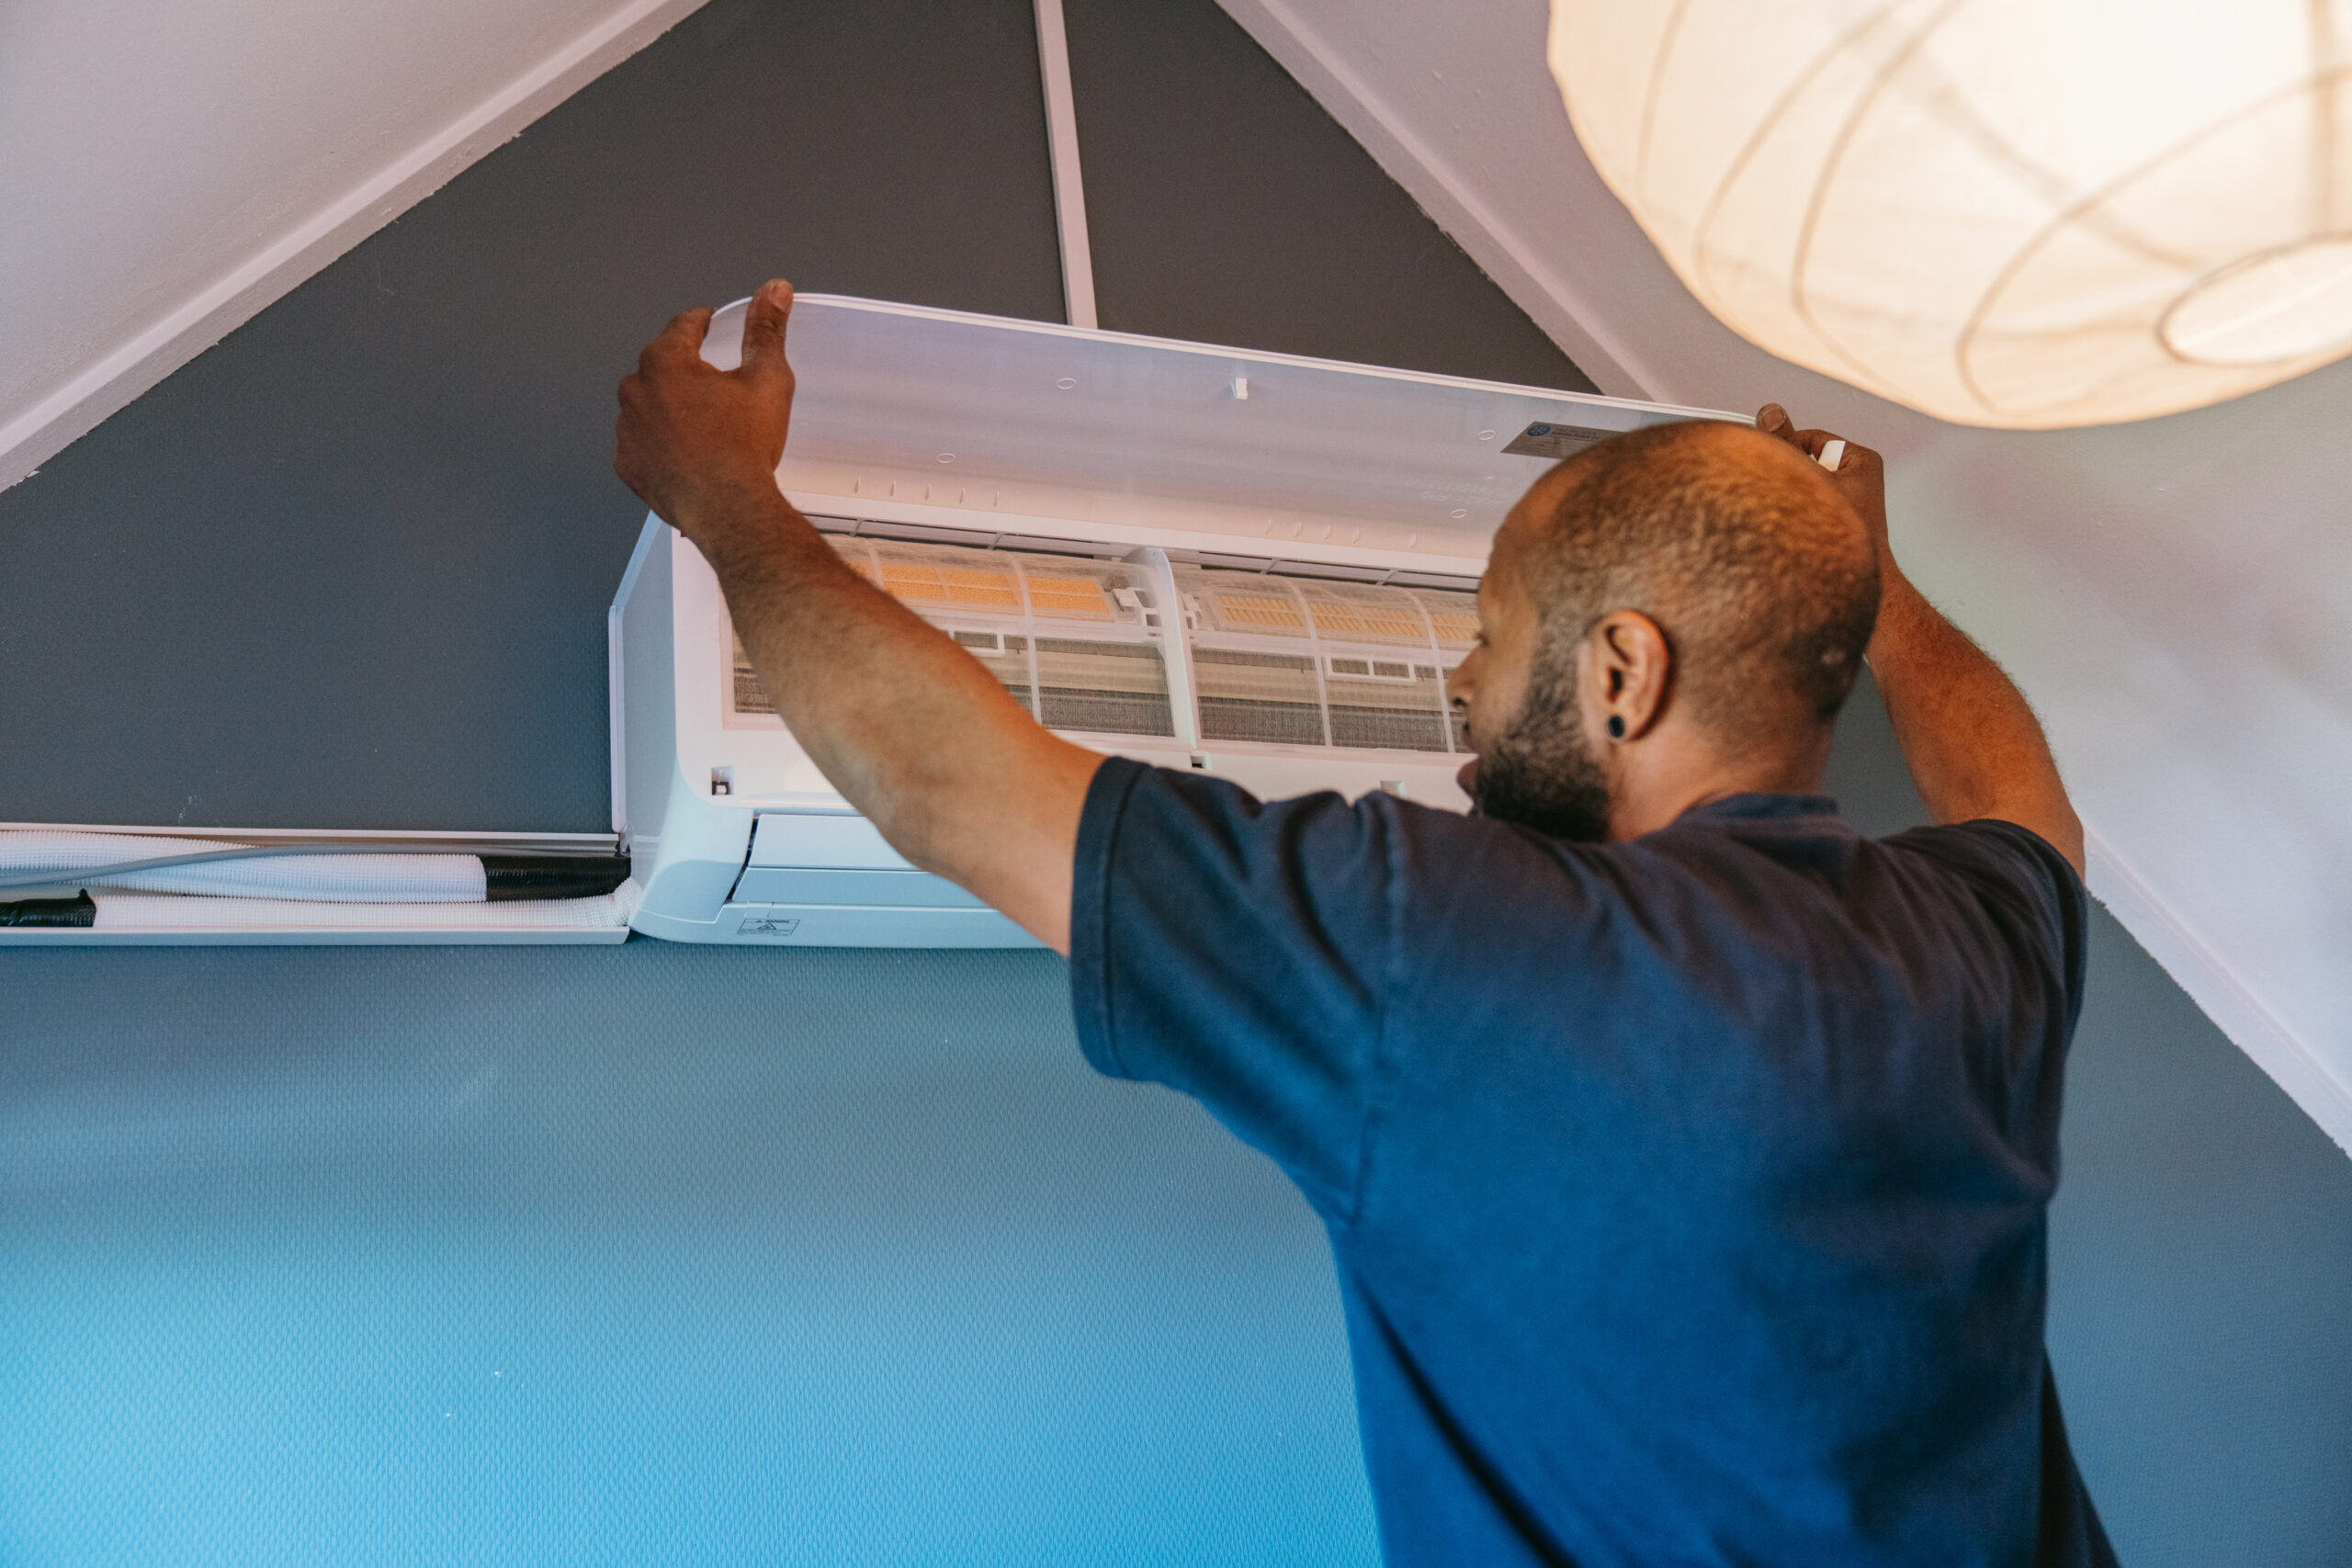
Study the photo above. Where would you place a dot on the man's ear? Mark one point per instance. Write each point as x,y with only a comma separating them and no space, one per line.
1629,665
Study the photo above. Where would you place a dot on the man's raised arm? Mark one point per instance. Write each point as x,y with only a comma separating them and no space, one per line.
904,723
1974,747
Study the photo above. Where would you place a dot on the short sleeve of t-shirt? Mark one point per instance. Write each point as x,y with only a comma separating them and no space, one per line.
1239,951
2029,891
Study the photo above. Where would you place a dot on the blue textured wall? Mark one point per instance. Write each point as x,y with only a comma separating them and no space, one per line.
641,1253
602,1254
578,1256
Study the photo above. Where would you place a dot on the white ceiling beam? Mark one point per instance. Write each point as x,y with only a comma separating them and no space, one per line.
1061,148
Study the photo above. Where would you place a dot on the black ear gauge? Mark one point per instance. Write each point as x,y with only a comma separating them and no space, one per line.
1616,727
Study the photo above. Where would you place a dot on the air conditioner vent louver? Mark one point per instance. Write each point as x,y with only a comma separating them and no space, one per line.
1269,697
1317,663
1073,640
1276,661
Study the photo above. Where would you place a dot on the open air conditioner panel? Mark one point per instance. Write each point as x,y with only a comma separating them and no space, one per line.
1269,588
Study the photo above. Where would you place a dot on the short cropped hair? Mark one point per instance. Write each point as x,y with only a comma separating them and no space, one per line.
1763,582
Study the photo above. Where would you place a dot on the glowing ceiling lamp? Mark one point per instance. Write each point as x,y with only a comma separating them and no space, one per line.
2004,212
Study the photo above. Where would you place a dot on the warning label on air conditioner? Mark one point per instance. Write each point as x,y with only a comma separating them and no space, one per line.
767,925
1542,440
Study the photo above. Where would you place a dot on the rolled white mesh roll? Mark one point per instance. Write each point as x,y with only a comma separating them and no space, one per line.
122,911
331,878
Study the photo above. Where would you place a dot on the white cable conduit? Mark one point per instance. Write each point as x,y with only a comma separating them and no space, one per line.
140,911
399,878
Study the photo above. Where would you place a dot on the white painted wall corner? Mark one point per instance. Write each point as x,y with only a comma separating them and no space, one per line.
2241,1015
101,387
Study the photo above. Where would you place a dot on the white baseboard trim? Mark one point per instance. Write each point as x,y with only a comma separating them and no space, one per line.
2251,1026
1518,267
101,388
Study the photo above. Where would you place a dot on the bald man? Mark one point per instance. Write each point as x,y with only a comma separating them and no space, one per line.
1684,1155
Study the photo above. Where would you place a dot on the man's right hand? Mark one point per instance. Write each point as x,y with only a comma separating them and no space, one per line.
1859,475
1971,743
700,445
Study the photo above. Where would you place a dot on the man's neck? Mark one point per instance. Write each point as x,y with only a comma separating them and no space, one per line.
1663,775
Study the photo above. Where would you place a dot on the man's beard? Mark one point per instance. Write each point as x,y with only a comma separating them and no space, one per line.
1540,772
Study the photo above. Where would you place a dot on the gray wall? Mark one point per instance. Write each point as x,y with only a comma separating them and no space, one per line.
555,1255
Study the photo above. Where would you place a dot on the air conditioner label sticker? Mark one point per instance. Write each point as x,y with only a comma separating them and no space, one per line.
1540,440
767,925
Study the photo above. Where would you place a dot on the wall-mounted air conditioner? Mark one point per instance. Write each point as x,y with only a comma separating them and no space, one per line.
1253,566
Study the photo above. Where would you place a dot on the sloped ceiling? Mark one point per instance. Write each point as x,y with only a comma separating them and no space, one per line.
165,171
2175,596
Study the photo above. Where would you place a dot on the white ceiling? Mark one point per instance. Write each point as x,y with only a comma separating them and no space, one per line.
168,170
2175,596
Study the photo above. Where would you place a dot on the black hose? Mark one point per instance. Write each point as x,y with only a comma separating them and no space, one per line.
81,910
551,876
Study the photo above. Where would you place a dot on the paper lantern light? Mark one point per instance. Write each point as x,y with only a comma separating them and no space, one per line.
2029,213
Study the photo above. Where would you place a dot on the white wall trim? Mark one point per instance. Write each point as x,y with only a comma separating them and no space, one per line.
228,302
1516,265
2251,1026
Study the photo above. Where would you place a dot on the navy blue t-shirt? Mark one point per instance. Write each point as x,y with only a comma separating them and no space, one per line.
1687,1194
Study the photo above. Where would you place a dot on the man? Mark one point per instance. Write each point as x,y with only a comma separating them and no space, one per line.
1684,1155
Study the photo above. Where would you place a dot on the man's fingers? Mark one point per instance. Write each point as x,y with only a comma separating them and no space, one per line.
686,329
764,324
1774,421
682,337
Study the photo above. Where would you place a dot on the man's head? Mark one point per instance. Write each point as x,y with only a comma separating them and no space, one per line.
1675,614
